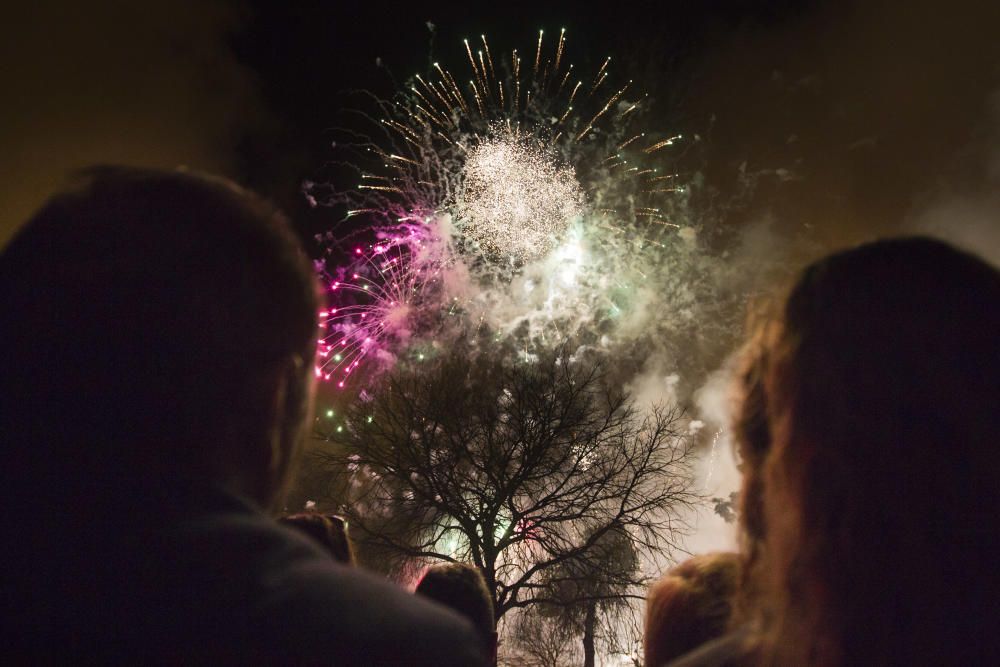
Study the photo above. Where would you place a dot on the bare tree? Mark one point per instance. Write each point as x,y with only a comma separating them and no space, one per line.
543,639
595,586
529,470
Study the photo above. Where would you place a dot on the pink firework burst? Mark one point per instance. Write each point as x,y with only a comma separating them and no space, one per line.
376,303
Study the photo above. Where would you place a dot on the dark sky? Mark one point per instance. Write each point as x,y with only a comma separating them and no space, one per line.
311,57
853,118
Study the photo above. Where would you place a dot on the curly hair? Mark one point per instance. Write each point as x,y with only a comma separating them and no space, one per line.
689,606
879,485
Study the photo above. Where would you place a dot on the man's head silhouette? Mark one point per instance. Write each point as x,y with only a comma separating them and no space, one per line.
162,324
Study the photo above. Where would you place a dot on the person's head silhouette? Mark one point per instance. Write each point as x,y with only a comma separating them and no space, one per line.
880,386
163,325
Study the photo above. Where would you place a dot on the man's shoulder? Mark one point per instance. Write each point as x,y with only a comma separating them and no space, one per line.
733,649
302,605
322,606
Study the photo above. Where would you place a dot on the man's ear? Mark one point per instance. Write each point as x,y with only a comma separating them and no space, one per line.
291,407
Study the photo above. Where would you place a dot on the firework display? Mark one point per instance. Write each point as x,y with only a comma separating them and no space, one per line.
522,201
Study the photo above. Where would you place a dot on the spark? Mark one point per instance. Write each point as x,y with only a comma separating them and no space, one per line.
559,49
538,53
604,110
661,144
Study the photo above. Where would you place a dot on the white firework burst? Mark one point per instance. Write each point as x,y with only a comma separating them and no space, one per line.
516,198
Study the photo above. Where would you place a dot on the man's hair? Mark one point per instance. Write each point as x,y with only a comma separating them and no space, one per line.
461,587
329,531
690,605
152,317
879,487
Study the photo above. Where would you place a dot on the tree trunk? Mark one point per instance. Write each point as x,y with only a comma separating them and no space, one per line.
589,621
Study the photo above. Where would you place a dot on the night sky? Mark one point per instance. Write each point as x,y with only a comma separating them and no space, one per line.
854,118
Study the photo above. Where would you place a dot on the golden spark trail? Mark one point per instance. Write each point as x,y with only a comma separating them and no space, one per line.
629,141
662,144
614,98
538,53
559,49
601,73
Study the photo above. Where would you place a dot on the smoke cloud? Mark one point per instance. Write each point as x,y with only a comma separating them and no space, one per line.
849,122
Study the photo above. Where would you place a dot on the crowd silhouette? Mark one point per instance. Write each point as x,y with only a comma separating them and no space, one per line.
144,458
